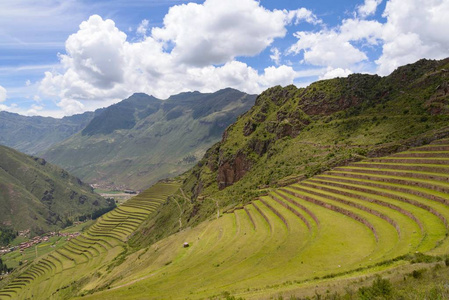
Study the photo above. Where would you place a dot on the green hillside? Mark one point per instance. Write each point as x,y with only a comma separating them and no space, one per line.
311,191
140,140
354,220
39,196
294,133
375,215
85,258
33,135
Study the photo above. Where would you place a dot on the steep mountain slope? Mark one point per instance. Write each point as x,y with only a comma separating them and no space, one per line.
292,134
370,216
142,139
308,186
39,196
32,135
98,249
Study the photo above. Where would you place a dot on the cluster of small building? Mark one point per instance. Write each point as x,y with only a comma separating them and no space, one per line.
4,250
34,241
69,235
37,240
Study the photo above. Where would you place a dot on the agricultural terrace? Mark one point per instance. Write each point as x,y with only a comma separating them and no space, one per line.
351,220
88,254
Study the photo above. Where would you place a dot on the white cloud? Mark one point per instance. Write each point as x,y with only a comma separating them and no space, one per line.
275,55
335,47
101,66
368,32
143,27
34,110
71,107
3,94
414,30
93,66
217,31
95,52
199,46
334,73
411,31
302,14
282,75
327,48
368,8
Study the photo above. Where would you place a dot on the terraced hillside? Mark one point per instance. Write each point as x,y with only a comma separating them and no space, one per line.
85,257
360,218
293,133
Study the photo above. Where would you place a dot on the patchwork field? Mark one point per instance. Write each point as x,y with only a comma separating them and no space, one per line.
351,220
52,275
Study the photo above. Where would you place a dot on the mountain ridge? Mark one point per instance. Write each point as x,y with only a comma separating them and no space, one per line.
277,143
35,134
39,196
267,210
142,139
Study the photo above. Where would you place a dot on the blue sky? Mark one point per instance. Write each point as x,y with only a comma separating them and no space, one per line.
64,57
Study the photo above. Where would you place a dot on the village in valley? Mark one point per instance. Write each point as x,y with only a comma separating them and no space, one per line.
36,240
26,247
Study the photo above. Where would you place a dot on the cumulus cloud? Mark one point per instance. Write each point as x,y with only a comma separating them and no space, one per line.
413,30
95,52
71,107
100,64
198,47
334,73
275,55
34,110
368,8
326,48
334,47
218,31
2,94
143,27
302,14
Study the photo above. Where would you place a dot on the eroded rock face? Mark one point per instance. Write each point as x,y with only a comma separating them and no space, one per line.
232,170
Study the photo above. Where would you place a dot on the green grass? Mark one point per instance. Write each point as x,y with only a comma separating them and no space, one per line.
263,245
100,246
267,246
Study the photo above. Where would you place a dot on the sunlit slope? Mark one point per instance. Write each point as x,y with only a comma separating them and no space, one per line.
351,218
40,196
83,259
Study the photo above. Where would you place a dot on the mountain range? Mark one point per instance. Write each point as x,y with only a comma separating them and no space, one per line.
134,143
292,134
33,135
311,191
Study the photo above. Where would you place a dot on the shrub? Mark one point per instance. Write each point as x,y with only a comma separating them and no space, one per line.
227,295
418,273
380,287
